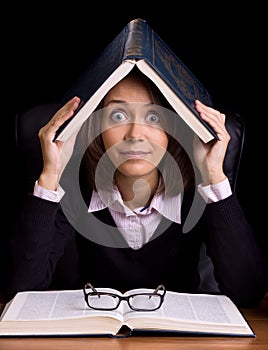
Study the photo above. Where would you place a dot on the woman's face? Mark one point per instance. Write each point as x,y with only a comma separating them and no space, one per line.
132,131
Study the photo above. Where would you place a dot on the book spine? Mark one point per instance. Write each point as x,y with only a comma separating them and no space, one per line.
139,43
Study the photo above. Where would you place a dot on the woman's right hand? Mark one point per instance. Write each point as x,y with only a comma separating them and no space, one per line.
54,153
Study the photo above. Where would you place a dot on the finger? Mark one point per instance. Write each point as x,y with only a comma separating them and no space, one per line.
213,117
209,111
63,114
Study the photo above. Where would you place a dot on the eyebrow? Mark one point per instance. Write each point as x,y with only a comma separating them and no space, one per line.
122,101
115,101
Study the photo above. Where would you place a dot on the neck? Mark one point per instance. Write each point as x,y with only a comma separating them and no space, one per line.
137,191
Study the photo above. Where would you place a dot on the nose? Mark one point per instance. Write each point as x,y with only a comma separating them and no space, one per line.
134,132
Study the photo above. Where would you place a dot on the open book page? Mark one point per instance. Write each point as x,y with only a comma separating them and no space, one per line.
53,305
192,313
63,312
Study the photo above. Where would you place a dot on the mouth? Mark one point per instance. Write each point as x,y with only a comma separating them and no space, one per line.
134,154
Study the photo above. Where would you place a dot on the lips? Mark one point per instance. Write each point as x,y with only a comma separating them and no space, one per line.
134,154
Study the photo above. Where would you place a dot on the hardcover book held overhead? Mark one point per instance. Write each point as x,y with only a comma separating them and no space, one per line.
66,313
138,45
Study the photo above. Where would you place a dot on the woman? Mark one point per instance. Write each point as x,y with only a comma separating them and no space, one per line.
138,180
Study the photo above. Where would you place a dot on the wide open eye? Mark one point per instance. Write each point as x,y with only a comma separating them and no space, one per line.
152,117
118,116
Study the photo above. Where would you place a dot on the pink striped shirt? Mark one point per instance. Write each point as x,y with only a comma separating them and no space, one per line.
138,225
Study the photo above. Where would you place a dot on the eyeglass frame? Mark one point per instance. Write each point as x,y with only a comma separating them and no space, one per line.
124,298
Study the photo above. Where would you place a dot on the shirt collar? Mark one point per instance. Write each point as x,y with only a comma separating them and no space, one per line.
169,207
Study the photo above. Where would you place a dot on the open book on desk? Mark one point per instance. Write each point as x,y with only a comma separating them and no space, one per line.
65,313
137,45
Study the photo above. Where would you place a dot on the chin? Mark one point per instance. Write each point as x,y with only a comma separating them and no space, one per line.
134,168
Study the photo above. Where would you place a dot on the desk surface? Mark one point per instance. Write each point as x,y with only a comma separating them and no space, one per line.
257,318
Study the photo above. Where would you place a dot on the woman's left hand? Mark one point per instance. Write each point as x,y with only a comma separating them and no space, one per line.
209,156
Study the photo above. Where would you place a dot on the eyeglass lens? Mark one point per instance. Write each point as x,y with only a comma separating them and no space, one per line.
136,302
145,302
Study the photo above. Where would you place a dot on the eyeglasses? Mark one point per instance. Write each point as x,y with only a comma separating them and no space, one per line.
138,302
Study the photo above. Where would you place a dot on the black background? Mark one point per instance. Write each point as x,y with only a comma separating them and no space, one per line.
46,46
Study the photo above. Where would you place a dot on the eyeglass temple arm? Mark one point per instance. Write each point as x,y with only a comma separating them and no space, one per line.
162,288
89,285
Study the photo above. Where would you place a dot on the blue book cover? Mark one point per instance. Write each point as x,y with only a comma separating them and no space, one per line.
139,42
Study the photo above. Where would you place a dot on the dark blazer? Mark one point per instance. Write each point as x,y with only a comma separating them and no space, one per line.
47,252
